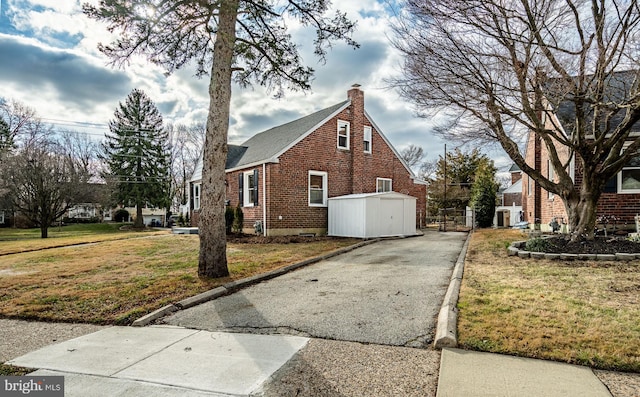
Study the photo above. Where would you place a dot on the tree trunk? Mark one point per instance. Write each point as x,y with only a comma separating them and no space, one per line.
44,230
139,222
213,243
581,211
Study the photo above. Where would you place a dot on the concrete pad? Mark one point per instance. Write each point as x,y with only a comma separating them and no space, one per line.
105,352
127,360
215,361
466,373
79,385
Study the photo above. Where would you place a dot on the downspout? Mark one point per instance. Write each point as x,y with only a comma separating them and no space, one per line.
264,199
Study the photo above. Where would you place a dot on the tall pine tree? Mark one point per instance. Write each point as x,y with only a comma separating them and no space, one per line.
137,155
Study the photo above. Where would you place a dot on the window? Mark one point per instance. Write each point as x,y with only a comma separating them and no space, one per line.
529,183
383,185
196,196
343,134
248,188
317,189
629,177
551,175
367,139
1,217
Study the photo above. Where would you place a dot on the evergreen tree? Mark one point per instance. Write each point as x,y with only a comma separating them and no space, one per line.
6,140
458,173
483,193
137,155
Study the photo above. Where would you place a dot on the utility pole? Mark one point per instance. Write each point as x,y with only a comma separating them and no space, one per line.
444,201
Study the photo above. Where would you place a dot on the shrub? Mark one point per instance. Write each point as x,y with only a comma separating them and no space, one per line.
229,217
238,221
537,244
121,215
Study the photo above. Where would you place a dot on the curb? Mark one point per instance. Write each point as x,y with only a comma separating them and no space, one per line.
238,285
446,330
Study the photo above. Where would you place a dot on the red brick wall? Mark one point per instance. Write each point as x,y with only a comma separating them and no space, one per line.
550,205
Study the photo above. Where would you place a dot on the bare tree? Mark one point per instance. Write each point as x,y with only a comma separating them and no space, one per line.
247,37
44,181
412,155
186,143
502,69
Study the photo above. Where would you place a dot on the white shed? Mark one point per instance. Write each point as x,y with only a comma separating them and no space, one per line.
372,215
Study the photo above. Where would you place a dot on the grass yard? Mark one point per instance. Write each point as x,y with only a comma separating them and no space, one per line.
25,240
581,312
115,282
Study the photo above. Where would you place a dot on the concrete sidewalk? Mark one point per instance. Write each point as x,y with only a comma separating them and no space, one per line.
170,361
467,373
163,361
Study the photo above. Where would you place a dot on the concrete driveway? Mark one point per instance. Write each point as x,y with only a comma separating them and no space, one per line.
386,293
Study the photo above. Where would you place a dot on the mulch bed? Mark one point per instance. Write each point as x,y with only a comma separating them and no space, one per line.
599,245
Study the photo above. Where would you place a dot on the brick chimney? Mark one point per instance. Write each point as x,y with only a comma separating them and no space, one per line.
356,96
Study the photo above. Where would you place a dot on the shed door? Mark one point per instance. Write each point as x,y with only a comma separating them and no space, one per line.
392,212
507,218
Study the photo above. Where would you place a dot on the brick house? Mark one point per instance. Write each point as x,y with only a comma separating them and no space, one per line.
509,209
620,197
283,177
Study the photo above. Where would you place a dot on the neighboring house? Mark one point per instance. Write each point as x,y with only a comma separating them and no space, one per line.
284,176
620,198
509,211
84,211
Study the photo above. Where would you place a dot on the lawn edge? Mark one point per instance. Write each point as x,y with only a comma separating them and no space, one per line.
446,329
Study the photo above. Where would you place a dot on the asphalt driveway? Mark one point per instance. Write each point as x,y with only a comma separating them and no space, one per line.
385,293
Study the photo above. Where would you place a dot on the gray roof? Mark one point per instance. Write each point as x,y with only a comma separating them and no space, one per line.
271,143
515,168
619,86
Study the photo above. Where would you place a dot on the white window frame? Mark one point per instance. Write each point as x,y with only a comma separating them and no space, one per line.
325,188
619,187
347,130
247,194
197,191
384,181
367,138
529,179
1,217
551,176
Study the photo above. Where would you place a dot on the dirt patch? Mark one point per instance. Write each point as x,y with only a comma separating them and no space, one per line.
599,245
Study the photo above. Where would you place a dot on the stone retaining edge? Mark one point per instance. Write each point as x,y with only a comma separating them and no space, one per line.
517,249
446,329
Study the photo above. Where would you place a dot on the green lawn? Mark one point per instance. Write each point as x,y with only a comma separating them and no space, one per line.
581,312
23,240
117,281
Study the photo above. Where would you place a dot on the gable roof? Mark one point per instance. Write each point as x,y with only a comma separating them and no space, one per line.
270,144
618,87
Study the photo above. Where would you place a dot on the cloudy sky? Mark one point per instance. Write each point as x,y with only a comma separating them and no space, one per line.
49,61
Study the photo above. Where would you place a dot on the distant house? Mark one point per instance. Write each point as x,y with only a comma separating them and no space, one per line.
509,211
284,176
620,197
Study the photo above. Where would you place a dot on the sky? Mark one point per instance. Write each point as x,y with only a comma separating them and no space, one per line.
49,60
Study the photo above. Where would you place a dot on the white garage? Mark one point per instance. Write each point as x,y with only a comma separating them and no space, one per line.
372,215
